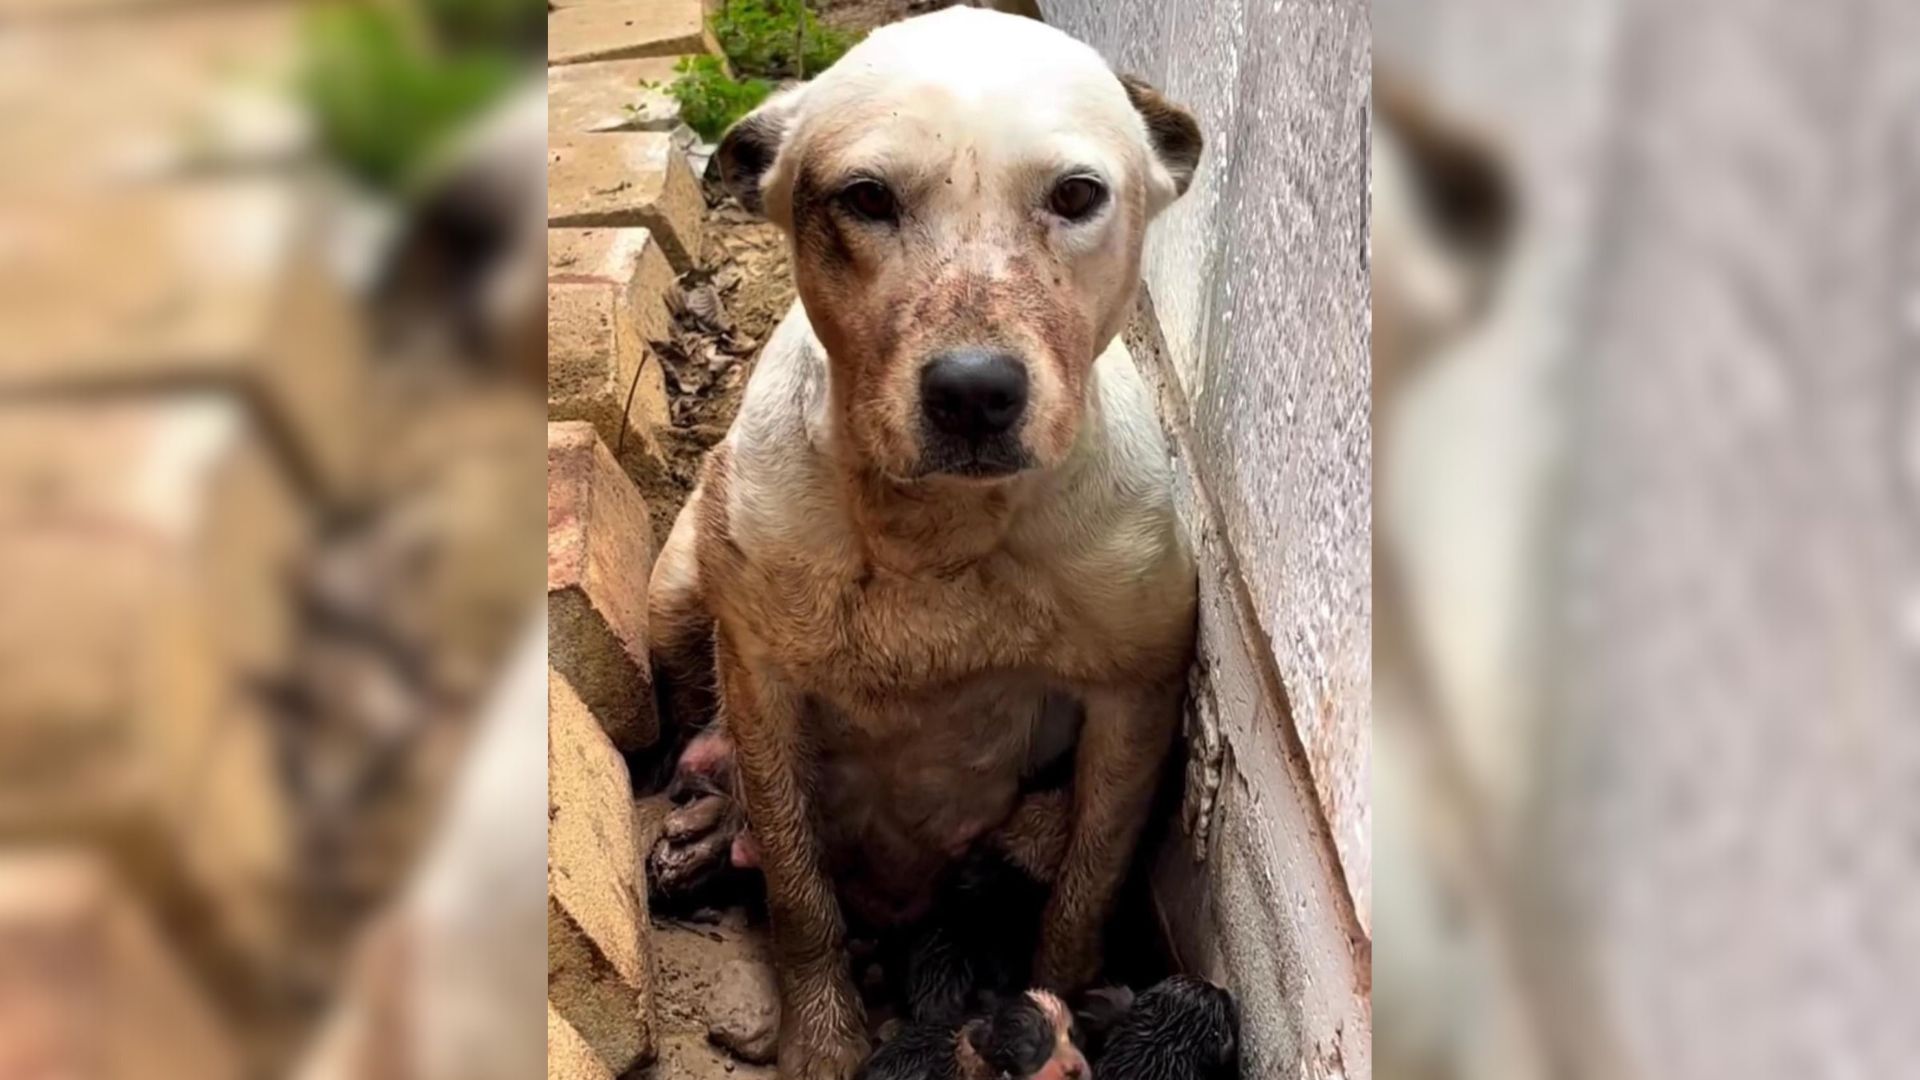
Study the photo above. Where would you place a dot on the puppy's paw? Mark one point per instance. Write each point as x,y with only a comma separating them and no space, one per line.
695,848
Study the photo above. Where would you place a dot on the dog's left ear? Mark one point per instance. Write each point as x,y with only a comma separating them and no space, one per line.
1172,129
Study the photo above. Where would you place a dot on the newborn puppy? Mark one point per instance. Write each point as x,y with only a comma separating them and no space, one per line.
1029,1037
1182,1028
977,944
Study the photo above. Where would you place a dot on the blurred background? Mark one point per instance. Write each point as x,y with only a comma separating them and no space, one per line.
272,330
1647,560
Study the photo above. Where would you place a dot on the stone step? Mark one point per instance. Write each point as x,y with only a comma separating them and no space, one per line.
629,259
601,370
205,284
583,30
627,179
599,966
599,558
612,95
88,985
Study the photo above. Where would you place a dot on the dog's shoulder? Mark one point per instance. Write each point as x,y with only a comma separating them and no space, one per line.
1109,535
1114,498
780,483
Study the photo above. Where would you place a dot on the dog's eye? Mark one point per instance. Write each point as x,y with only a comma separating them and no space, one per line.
1077,197
871,200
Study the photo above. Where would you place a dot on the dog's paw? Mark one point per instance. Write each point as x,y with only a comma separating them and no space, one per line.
822,1031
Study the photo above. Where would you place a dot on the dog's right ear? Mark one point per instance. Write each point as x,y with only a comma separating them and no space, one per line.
750,147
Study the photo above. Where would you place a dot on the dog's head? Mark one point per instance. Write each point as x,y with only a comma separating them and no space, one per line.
965,194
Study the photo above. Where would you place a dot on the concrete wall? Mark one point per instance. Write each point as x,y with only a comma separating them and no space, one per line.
1257,343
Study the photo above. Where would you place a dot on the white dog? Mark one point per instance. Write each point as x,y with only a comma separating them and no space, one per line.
938,546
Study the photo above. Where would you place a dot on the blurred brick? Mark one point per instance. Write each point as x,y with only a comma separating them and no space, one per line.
598,967
87,986
601,370
194,89
148,545
627,178
568,1055
612,95
599,558
581,30
207,284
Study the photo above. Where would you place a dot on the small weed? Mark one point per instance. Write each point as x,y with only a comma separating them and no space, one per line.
710,100
764,40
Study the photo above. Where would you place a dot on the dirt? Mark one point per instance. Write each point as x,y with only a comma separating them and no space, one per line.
724,311
691,962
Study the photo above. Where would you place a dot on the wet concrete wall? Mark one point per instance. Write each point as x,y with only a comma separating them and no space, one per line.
1257,344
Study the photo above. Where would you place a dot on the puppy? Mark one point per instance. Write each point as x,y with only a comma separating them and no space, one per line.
1027,1037
939,538
978,942
1182,1028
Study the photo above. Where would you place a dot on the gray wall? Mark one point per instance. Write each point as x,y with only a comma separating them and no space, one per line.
1259,281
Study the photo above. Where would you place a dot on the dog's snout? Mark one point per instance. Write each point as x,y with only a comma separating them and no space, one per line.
973,393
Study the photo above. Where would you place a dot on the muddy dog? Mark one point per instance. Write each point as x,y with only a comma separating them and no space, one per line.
938,543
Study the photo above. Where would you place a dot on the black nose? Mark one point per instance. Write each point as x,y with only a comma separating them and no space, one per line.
973,393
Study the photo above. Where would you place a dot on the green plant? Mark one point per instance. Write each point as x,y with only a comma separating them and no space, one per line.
382,97
763,40
710,100
502,24
778,39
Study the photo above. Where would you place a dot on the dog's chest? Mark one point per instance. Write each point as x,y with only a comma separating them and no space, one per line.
865,633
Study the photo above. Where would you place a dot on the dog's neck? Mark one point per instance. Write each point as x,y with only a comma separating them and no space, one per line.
934,525
939,525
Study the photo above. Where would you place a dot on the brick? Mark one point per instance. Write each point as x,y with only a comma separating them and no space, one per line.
215,283
598,967
568,1055
601,370
612,95
585,30
88,987
627,178
599,558
147,547
628,258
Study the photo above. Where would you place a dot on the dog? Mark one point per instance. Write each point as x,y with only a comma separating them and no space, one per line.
938,542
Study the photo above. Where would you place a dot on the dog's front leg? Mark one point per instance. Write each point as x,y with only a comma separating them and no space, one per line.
1123,743
821,1026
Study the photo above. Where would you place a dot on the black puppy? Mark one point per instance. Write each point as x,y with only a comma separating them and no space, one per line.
1182,1028
1028,1037
977,943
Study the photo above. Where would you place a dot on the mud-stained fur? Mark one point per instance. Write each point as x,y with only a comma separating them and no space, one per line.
895,643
